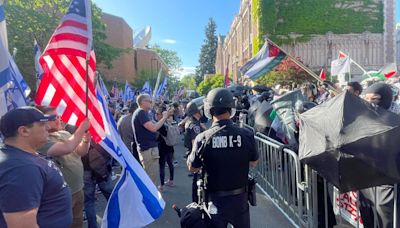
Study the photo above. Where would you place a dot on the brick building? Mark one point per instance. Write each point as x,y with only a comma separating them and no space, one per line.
129,65
371,50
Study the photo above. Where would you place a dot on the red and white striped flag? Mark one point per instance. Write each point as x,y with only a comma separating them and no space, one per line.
63,83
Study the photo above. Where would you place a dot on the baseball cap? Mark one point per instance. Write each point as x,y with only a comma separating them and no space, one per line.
21,116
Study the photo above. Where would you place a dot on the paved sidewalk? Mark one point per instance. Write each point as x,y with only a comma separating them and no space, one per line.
264,215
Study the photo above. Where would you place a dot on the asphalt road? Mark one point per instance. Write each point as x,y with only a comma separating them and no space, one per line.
264,215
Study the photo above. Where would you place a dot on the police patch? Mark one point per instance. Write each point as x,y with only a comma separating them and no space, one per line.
196,129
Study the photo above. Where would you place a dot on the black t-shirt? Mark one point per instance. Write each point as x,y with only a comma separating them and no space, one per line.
144,138
226,156
29,181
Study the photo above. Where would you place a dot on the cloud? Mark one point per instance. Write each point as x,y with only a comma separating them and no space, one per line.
169,41
185,71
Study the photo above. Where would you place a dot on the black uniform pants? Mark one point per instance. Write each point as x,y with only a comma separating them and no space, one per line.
231,209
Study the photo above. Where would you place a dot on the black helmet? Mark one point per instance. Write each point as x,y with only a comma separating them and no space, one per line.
192,108
218,98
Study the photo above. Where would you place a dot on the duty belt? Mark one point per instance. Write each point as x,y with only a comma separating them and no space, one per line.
228,193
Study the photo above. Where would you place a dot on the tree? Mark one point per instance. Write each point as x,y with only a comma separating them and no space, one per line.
286,73
37,19
208,52
188,81
170,58
211,82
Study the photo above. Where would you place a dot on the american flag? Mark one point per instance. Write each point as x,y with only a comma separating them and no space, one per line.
63,83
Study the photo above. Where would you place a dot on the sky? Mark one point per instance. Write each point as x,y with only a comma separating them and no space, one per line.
177,25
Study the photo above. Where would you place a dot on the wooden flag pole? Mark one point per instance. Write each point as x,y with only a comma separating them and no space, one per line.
314,75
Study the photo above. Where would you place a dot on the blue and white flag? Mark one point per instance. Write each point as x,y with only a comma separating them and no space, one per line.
103,88
135,200
3,26
11,92
129,93
121,94
161,88
38,67
147,88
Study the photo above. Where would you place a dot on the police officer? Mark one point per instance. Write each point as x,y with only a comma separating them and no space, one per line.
192,129
228,152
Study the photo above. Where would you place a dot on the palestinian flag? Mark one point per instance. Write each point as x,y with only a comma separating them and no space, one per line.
385,72
266,59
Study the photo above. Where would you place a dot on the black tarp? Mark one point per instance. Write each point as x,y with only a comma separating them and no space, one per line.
350,143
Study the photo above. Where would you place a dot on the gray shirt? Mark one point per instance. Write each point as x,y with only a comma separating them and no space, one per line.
124,126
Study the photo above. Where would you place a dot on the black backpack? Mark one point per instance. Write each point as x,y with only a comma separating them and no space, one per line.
99,162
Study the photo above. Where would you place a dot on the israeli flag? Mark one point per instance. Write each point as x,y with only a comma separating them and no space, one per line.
38,67
129,94
3,27
161,88
11,93
135,200
103,87
147,88
7,62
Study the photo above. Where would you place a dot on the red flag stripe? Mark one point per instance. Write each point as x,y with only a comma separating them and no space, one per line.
69,37
64,62
73,23
76,79
390,74
68,93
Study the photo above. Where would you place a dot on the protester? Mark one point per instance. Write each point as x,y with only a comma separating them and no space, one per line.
145,136
97,172
166,154
376,203
354,87
66,151
33,192
124,126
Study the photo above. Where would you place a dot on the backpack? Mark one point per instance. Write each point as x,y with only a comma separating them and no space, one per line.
99,162
172,135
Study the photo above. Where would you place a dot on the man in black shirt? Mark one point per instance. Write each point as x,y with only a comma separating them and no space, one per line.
144,130
33,192
225,152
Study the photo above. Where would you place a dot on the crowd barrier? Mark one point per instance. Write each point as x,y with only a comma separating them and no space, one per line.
294,187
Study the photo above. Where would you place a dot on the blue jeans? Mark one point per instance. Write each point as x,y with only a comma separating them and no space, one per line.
89,189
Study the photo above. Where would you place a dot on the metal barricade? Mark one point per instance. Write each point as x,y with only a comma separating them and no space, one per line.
278,176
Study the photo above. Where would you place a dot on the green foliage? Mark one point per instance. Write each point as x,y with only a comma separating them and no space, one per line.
286,73
279,18
188,81
30,19
170,57
208,52
212,82
143,76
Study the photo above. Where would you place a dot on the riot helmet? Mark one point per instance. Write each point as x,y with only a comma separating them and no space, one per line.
218,99
192,108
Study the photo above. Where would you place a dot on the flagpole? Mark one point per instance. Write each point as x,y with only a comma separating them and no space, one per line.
314,75
90,46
